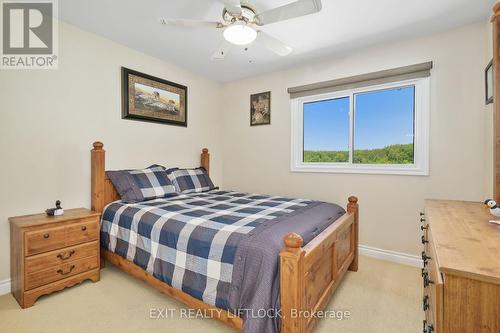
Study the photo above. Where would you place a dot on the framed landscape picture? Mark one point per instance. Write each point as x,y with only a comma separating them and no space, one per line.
260,109
148,98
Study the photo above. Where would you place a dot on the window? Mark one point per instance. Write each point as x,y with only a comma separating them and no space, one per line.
378,129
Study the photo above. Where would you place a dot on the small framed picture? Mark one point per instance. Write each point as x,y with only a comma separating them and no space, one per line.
149,98
260,109
488,79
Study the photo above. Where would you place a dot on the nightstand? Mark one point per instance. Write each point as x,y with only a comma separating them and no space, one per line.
50,253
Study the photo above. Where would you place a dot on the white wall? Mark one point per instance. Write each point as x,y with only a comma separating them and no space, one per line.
49,119
257,159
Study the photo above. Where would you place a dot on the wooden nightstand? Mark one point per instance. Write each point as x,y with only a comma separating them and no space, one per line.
50,253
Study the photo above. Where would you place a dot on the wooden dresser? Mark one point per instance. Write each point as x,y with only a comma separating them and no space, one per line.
461,274
52,253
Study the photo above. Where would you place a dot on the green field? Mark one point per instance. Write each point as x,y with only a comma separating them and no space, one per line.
394,154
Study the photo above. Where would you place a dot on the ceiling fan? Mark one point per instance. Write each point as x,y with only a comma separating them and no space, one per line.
240,24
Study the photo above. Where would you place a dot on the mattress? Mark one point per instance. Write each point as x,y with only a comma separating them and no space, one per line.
210,245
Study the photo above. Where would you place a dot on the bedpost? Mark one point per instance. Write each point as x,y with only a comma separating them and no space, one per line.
353,208
97,176
291,283
205,160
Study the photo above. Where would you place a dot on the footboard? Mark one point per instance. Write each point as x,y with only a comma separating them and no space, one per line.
310,274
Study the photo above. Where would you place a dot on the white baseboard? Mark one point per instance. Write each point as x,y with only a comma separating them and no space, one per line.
4,286
398,257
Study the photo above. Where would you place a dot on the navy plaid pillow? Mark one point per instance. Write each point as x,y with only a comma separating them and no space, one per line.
153,182
141,185
190,180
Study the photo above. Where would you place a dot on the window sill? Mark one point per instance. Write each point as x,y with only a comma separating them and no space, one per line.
361,169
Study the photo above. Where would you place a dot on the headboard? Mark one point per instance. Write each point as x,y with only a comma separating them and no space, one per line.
102,189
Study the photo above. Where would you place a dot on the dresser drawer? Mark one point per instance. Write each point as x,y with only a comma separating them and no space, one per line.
43,261
45,240
85,231
46,276
54,238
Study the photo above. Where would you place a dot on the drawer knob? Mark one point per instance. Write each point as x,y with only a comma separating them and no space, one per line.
60,271
425,303
422,214
46,236
84,228
424,227
424,241
422,220
62,256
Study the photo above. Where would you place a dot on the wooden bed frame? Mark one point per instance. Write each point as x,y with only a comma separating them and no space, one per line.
308,274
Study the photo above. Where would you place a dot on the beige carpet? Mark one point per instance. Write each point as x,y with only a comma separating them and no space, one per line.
381,297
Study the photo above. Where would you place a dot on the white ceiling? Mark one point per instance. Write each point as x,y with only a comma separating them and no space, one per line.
341,26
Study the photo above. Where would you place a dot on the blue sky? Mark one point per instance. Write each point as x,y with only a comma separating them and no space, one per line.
382,118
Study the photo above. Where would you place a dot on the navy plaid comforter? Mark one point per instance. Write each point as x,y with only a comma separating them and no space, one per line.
189,241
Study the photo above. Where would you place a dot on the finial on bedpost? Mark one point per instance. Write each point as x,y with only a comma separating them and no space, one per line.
98,145
205,160
293,242
496,12
352,206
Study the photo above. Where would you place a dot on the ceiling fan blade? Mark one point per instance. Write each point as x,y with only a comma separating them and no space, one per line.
221,51
232,6
190,23
286,12
273,44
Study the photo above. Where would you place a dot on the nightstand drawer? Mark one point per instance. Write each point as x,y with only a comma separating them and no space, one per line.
45,240
59,272
43,261
81,232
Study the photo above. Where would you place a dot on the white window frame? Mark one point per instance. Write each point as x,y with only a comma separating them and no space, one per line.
420,166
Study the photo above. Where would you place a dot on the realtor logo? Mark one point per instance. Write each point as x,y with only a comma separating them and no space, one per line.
29,35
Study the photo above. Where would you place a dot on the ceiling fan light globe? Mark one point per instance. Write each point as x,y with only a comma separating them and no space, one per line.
240,34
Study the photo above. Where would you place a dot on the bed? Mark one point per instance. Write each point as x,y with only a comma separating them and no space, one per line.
238,250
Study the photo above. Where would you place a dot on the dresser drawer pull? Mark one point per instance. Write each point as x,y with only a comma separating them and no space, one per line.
427,280
424,227
46,236
422,220
425,258
424,241
427,328
84,228
422,214
67,256
60,271
425,303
